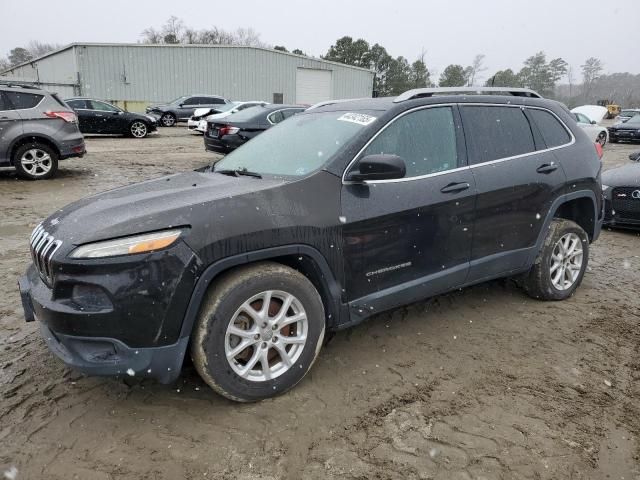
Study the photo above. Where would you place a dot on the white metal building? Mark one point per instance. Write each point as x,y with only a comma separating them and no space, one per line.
134,75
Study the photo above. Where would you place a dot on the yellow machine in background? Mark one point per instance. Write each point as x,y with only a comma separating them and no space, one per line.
613,110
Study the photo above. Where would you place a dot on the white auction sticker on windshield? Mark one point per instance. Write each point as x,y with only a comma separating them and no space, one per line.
359,118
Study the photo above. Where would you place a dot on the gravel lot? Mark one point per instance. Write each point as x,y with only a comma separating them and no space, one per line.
481,383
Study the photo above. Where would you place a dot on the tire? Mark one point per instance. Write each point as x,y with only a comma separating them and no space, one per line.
545,281
602,139
168,120
228,305
138,129
35,161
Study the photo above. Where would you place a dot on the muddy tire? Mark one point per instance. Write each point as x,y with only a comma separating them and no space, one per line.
560,265
259,331
602,139
35,161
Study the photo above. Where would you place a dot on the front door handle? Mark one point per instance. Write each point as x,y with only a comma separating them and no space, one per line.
455,187
547,168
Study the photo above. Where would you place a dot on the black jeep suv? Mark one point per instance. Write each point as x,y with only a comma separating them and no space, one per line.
339,213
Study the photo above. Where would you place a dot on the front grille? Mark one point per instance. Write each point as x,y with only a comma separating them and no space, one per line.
43,246
624,204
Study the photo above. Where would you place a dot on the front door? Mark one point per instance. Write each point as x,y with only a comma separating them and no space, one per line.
106,118
517,177
408,239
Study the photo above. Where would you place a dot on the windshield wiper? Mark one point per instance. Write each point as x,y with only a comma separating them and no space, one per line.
238,171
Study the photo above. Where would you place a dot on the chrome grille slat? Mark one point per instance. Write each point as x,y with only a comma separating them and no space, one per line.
43,247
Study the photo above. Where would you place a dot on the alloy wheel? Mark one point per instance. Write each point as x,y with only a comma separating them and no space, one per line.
36,162
168,120
266,335
566,261
138,129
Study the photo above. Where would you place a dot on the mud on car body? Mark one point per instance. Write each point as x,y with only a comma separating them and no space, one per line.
339,213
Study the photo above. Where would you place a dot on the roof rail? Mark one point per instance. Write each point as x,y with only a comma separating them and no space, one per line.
430,92
14,84
331,102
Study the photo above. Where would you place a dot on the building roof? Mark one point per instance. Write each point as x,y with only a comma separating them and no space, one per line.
180,45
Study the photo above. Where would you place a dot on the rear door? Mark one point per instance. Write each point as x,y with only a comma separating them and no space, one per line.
84,112
10,128
411,235
517,178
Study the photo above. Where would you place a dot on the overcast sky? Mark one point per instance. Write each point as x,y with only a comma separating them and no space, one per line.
451,31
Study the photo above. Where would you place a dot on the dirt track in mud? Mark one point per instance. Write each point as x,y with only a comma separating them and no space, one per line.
483,383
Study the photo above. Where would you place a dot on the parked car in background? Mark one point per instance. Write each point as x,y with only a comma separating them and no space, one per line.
183,107
596,132
98,116
37,129
627,131
621,189
198,122
227,134
628,113
330,217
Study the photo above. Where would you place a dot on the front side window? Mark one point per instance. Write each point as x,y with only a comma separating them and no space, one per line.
23,101
496,132
425,140
102,107
297,147
553,132
191,101
582,118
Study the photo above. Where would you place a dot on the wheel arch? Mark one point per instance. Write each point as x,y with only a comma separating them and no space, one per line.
30,138
303,258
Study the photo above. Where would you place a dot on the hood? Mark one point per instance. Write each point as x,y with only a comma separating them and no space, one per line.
627,176
626,126
166,202
593,112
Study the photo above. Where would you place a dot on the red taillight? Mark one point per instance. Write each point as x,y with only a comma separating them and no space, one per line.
227,130
599,150
66,116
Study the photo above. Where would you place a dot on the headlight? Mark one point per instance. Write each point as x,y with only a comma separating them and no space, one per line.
605,187
127,245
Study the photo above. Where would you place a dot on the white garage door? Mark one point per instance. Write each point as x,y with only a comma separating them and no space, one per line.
313,86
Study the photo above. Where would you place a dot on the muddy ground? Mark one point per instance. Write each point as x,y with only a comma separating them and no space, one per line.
483,383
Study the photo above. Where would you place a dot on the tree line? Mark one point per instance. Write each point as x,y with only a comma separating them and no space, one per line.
394,75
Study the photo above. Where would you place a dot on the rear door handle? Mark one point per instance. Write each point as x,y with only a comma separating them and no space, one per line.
547,168
455,187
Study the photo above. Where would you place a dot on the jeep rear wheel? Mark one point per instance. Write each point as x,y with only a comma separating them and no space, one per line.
259,332
35,161
561,262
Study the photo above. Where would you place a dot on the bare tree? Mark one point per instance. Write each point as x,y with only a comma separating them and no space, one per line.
473,71
591,70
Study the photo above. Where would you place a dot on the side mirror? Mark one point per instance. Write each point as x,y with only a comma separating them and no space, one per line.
378,167
593,122
181,105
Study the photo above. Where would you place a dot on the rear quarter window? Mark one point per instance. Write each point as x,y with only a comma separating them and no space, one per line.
496,132
552,130
23,101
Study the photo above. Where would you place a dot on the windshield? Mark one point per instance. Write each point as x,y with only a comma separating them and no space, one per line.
225,107
628,113
178,100
298,145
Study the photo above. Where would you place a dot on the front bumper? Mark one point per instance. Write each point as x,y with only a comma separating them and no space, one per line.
624,135
136,326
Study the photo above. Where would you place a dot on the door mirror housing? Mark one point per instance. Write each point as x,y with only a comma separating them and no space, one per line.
378,167
593,122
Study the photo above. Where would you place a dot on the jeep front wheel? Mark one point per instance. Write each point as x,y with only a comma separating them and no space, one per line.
259,332
561,262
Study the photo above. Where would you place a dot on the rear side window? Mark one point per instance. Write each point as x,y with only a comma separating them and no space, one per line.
213,101
23,101
553,132
425,140
276,117
4,105
78,104
496,132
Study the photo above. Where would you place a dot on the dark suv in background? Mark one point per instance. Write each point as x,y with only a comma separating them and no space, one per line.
37,129
183,107
339,213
